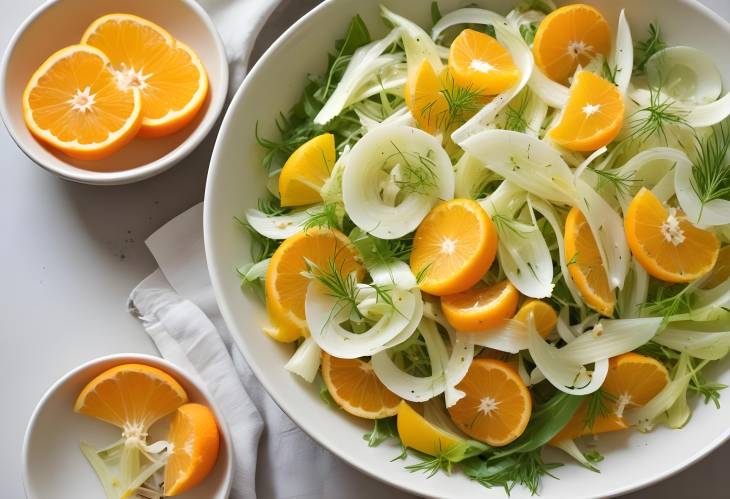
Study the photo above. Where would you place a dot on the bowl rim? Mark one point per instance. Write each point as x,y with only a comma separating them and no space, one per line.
118,359
140,172
214,268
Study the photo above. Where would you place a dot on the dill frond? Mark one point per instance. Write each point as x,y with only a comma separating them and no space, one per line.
418,171
327,218
668,302
526,469
620,182
515,116
598,404
644,49
462,103
711,172
654,119
343,288
710,392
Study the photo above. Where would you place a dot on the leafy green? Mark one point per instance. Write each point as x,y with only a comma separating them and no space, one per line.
528,32
383,429
708,391
524,469
327,218
326,396
594,456
621,182
445,460
261,246
711,172
379,251
644,49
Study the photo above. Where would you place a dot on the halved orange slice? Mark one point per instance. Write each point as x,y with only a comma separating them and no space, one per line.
73,104
543,314
425,99
665,243
194,443
416,432
481,308
169,74
721,271
593,116
355,387
570,36
306,171
497,405
585,264
479,62
453,247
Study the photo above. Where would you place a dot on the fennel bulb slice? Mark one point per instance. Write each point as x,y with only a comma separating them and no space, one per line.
622,57
305,361
418,45
281,226
685,74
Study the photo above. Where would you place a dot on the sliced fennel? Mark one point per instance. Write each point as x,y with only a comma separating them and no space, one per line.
702,340
715,212
550,92
418,45
622,57
280,226
570,448
423,175
696,116
609,338
306,360
685,74
470,177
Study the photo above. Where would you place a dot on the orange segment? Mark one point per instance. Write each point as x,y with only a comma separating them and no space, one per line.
453,247
417,433
481,308
306,170
425,99
593,116
585,264
721,271
286,287
355,387
131,396
168,73
479,62
568,37
73,104
195,441
632,381
543,314
497,405
665,243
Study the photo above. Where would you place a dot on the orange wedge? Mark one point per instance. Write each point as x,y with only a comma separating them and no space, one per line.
417,433
424,97
355,387
453,247
169,75
568,37
497,405
585,264
593,116
632,381
543,314
665,243
131,396
73,104
286,287
195,440
481,308
306,171
479,62
721,271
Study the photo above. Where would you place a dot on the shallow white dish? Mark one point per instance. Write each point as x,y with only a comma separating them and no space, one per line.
59,23
53,465
236,181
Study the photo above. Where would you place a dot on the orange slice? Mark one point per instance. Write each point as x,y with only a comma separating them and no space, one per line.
479,62
169,75
593,116
497,405
585,264
721,271
632,381
417,433
481,308
195,440
453,247
568,37
306,171
665,243
131,396
424,97
355,387
543,314
286,287
73,104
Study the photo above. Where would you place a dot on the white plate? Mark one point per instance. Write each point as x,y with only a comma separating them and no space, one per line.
53,465
236,181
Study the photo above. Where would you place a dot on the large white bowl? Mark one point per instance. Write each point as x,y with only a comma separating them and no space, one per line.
236,181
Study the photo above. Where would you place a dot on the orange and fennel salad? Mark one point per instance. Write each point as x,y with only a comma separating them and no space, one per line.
501,233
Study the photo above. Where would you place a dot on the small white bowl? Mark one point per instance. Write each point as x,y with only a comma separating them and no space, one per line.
53,465
59,23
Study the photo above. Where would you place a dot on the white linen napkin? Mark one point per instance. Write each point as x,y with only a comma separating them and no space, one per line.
273,458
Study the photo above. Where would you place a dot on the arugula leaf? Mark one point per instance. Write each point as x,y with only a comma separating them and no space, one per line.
383,429
326,396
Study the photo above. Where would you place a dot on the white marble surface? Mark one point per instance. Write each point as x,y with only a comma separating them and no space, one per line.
71,253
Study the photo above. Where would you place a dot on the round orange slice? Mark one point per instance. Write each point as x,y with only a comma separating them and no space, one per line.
306,171
570,36
355,387
543,314
169,74
480,63
286,287
194,443
497,405
593,116
721,271
453,247
73,104
131,396
632,381
665,243
585,264
481,308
